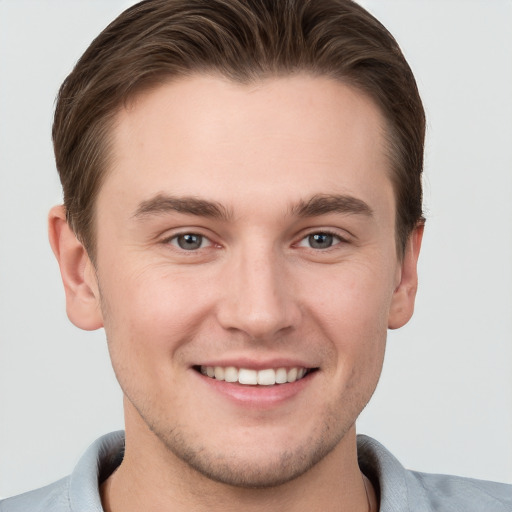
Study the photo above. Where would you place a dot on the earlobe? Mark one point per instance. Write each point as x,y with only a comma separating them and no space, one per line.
402,304
77,272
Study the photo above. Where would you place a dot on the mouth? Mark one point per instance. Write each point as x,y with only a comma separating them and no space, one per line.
250,377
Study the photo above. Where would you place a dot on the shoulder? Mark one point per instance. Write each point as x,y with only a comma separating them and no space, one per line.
402,490
452,493
79,492
52,498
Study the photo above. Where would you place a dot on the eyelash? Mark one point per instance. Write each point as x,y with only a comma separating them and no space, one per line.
338,239
174,240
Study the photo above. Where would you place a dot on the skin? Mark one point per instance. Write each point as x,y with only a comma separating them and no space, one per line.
256,292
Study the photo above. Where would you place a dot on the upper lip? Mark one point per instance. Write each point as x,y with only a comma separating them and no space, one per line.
257,364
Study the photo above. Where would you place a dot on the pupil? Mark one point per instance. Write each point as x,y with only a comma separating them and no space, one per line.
320,240
190,242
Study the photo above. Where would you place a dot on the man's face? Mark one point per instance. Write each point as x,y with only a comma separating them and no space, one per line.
249,232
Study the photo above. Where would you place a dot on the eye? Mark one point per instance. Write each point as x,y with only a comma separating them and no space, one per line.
322,240
190,241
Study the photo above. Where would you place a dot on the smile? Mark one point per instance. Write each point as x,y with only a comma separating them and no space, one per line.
248,377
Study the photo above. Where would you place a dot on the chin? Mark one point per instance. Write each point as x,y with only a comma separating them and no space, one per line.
259,461
267,470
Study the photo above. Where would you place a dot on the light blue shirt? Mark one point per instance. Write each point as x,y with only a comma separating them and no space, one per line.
400,490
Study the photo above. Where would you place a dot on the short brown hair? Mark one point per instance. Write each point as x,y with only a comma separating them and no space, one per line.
243,40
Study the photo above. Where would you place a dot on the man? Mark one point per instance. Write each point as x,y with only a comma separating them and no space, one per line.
243,216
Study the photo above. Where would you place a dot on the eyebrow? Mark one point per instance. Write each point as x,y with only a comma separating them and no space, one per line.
319,204
162,204
323,204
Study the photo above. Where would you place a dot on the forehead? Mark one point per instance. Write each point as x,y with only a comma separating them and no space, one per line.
206,135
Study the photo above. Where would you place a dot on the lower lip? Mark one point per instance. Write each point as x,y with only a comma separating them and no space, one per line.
258,396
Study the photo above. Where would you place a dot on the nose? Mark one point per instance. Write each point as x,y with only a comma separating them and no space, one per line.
258,296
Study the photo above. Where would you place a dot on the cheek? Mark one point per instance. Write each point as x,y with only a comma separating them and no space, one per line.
352,311
354,299
149,315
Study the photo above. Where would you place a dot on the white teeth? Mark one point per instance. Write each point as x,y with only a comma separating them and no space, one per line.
266,377
247,376
292,375
281,376
230,374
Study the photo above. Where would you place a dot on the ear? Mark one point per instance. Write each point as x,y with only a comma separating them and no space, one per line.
402,304
77,271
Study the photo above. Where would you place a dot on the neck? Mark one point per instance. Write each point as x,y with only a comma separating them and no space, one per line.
150,478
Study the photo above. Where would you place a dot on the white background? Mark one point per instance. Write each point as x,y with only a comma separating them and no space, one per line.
445,399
